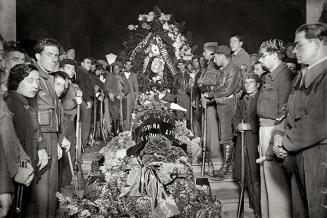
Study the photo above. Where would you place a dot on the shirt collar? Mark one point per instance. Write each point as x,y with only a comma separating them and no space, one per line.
273,75
318,62
227,66
236,52
43,73
314,70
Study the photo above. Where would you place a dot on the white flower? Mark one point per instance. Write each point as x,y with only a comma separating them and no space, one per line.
144,25
120,154
165,17
132,27
150,16
85,213
171,35
155,50
140,17
157,65
176,45
166,26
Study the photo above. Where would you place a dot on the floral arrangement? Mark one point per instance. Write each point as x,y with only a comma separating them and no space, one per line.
186,136
150,100
154,46
191,200
158,183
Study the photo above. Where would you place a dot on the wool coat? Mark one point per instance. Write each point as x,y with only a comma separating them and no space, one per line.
248,115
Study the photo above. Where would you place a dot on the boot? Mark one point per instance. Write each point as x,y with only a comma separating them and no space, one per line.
226,169
120,126
115,127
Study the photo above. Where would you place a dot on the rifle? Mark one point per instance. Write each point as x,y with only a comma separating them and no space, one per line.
240,209
101,119
80,178
191,112
121,118
203,181
75,180
93,134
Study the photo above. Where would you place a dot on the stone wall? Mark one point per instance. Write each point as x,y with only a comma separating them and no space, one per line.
8,19
314,9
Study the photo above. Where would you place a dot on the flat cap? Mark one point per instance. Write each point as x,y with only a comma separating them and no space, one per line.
117,63
252,76
67,61
210,44
223,49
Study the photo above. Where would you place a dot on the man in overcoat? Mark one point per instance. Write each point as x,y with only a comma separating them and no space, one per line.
304,133
133,93
118,88
246,120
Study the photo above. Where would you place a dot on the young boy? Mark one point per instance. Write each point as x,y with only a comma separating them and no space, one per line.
246,120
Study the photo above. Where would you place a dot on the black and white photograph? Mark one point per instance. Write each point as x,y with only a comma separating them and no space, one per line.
163,108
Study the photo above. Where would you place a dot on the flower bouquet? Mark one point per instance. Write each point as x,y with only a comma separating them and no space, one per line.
158,183
154,45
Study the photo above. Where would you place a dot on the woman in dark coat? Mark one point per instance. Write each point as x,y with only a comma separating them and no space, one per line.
23,86
246,120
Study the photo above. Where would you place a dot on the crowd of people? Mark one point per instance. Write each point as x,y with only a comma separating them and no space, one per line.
270,108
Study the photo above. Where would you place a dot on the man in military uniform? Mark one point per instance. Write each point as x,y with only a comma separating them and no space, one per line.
228,84
205,82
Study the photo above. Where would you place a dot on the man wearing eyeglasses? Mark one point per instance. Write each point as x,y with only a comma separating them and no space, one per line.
275,191
305,131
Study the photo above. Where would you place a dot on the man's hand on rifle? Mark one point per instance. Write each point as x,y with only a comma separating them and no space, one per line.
78,100
78,93
65,144
120,97
111,97
193,104
43,158
89,105
101,97
243,127
204,99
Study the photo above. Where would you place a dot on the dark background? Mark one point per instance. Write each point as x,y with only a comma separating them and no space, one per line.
98,27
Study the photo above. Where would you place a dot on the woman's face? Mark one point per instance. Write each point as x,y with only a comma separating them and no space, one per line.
258,69
30,85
